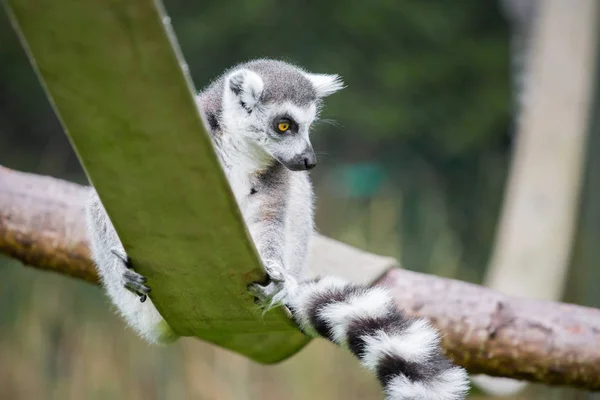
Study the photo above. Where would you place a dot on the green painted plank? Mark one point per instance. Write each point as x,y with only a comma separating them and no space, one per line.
115,79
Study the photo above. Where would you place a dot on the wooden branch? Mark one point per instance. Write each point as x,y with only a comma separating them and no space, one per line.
491,333
41,224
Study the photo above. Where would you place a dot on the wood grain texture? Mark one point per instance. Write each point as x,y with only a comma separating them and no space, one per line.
41,224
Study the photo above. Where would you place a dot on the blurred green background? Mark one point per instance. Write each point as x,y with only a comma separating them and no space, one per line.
413,160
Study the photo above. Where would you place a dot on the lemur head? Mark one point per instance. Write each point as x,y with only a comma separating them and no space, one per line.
268,107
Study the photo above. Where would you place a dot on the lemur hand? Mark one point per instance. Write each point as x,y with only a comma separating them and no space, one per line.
275,270
134,282
280,286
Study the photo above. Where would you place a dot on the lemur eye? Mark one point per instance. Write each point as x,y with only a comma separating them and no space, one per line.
283,126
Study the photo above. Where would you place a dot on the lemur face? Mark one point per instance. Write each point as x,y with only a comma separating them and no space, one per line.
272,105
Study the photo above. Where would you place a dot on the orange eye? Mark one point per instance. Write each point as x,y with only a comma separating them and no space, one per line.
283,126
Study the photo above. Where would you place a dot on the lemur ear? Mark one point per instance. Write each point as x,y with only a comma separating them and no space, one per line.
326,85
247,86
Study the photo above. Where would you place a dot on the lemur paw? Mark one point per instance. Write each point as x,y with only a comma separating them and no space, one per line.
134,282
275,271
267,296
273,294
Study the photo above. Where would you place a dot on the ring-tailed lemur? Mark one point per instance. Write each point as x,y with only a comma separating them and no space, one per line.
259,115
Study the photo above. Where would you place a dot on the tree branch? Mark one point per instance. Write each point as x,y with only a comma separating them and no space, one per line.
487,332
42,225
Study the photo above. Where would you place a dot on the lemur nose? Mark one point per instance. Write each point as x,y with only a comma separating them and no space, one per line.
309,163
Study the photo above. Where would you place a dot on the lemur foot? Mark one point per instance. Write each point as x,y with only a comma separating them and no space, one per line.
134,282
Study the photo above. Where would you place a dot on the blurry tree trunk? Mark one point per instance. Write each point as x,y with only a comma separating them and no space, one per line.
555,46
535,233
584,273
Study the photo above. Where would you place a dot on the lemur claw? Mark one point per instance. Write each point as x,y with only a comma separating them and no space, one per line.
134,282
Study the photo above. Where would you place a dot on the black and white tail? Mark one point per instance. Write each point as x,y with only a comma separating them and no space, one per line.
403,352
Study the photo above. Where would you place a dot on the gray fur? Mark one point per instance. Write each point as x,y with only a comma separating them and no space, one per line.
283,82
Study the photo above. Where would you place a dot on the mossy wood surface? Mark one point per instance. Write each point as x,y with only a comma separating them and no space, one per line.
113,73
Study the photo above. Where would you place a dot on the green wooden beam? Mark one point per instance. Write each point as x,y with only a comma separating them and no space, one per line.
113,72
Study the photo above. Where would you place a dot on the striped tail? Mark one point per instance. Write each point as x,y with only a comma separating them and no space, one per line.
403,352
